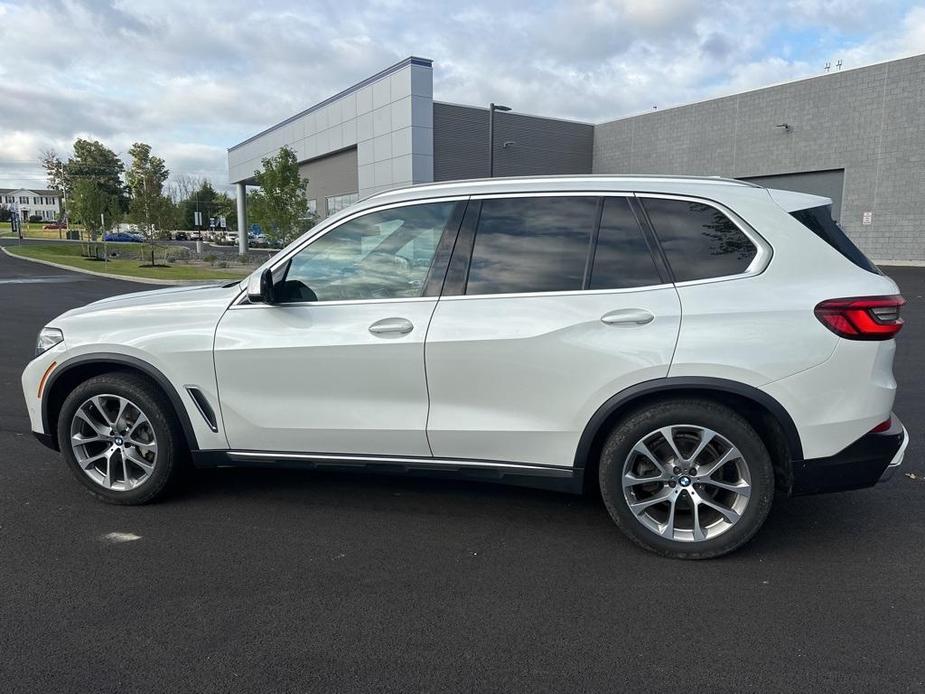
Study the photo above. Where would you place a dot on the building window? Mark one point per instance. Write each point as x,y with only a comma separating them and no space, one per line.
335,203
312,207
23,199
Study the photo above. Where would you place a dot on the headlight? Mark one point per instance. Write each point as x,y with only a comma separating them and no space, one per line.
48,338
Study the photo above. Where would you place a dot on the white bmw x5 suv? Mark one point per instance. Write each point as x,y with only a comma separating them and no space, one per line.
684,345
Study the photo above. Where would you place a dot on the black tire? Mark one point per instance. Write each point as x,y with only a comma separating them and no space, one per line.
171,449
702,413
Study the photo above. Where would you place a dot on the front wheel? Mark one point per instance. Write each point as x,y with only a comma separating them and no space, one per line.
119,436
689,479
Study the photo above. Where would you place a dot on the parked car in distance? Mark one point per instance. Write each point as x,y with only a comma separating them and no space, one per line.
181,236
195,235
258,241
683,345
118,236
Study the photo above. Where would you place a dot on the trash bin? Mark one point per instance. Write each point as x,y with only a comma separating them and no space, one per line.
73,235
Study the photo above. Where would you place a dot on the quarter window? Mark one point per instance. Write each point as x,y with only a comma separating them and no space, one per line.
621,258
537,244
699,241
381,255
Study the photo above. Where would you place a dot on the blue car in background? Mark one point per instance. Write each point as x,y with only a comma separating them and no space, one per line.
123,236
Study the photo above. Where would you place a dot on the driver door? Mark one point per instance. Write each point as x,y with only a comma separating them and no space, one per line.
336,365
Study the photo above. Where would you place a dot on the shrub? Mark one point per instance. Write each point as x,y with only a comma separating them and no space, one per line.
210,259
221,264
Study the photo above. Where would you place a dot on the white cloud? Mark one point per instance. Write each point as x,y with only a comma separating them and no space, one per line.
192,78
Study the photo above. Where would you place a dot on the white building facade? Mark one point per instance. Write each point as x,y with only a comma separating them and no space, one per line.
28,202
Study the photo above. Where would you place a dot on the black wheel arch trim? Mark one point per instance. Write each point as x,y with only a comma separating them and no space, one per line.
116,359
666,385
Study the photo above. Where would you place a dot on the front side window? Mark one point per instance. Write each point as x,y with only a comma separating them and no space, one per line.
531,244
381,255
699,241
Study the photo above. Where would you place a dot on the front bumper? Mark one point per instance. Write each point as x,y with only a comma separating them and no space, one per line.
872,458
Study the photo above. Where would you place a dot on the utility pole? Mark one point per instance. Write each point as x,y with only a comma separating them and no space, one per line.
491,135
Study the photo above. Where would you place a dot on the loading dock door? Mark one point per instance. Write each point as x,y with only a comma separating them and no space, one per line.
829,183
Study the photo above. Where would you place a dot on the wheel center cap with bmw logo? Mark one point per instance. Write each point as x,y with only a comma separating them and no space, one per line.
118,441
684,481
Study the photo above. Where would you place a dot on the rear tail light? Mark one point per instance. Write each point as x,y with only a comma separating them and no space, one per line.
862,317
883,426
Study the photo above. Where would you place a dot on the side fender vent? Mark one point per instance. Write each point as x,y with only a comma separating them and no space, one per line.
202,404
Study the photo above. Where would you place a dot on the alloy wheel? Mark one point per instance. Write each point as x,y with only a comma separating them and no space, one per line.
686,483
114,442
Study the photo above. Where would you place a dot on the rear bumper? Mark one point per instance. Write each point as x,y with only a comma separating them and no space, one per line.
872,458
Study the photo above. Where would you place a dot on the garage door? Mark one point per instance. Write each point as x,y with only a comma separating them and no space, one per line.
829,183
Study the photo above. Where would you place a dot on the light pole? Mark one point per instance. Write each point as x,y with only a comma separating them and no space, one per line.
491,135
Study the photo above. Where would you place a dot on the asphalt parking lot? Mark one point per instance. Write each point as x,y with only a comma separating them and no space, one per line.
290,581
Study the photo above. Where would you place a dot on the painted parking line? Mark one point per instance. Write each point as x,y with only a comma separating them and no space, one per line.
117,538
52,279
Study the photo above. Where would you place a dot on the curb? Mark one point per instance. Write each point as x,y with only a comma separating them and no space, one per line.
108,275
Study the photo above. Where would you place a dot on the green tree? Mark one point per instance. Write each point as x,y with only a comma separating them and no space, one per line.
145,179
92,180
149,208
280,206
56,174
166,215
91,205
93,161
210,203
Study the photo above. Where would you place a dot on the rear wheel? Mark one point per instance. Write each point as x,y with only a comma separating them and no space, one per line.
118,434
687,478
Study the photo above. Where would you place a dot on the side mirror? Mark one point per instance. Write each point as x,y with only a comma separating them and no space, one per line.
260,288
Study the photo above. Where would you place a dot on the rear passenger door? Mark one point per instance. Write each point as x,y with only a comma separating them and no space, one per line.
740,323
552,304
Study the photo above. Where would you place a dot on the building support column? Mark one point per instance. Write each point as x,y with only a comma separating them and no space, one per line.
242,217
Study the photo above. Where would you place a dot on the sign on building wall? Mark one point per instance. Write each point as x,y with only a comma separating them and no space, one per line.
866,218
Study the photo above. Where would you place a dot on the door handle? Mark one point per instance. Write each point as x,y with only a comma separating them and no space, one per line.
391,326
627,316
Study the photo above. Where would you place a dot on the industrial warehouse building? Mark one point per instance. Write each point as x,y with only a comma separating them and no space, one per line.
856,136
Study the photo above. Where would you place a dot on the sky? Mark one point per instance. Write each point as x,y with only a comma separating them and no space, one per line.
194,77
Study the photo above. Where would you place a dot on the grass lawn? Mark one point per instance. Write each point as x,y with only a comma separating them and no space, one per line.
127,263
35,231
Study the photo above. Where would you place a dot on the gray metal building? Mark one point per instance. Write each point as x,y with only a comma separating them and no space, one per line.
857,136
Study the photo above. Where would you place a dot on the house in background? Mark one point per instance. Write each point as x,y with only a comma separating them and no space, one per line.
32,202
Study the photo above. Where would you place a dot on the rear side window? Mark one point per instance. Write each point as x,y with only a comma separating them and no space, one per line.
621,258
819,221
537,244
699,241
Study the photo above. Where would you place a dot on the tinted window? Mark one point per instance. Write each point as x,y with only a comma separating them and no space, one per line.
699,240
381,255
622,258
531,245
819,221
